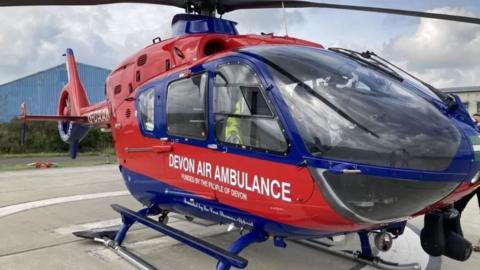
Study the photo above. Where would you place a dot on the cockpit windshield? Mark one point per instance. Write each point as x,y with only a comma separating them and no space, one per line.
347,110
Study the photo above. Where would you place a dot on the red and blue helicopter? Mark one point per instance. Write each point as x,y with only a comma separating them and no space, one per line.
275,135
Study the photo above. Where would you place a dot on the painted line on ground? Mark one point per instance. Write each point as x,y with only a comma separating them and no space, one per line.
16,208
98,225
104,224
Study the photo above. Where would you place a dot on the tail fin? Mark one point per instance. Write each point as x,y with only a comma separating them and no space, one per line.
73,96
72,99
74,114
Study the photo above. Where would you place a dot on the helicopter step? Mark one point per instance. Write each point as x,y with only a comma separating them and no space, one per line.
114,239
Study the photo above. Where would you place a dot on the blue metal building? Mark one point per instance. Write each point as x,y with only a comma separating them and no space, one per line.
40,91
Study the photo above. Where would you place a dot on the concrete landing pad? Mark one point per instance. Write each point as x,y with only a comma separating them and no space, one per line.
39,209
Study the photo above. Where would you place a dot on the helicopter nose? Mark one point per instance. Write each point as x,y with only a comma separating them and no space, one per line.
375,199
383,197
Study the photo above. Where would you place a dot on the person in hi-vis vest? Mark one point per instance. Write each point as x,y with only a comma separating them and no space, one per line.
232,129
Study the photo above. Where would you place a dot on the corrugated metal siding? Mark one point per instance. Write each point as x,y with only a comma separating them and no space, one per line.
40,91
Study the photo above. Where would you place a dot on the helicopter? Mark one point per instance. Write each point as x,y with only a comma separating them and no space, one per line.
278,136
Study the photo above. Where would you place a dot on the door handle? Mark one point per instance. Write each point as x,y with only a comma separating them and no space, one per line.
344,169
154,149
351,171
162,148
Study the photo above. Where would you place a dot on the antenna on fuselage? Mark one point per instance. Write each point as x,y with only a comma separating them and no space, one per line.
284,19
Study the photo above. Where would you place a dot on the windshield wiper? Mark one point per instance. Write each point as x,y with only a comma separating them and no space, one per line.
380,63
447,99
366,58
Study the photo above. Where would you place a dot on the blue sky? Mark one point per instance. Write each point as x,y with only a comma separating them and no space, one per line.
443,53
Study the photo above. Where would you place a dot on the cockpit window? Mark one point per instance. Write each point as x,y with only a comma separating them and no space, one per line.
242,115
186,107
146,102
237,91
348,111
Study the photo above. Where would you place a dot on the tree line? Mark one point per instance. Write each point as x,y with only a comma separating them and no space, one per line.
42,137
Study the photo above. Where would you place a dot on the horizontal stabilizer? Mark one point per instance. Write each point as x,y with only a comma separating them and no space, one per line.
24,116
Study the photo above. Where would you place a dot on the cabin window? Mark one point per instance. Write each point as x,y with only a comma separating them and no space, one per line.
146,103
243,116
186,101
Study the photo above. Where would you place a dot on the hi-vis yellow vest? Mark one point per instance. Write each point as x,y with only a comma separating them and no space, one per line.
232,130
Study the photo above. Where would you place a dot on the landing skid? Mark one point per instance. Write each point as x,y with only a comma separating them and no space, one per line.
114,239
226,258
360,256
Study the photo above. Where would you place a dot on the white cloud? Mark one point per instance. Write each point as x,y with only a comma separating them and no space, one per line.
34,38
444,53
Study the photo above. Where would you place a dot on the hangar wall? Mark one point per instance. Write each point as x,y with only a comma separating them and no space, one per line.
470,97
40,91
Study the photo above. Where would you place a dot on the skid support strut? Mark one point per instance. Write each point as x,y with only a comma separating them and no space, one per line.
240,244
126,224
365,243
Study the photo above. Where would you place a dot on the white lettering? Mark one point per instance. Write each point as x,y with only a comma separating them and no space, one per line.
255,186
265,186
286,192
275,194
200,169
261,185
181,163
208,170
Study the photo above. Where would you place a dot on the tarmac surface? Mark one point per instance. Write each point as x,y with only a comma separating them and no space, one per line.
40,208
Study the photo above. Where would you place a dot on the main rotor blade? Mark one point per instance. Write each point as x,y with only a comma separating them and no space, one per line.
232,5
175,3
224,6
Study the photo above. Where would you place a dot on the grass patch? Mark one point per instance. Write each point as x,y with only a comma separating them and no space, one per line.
109,152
